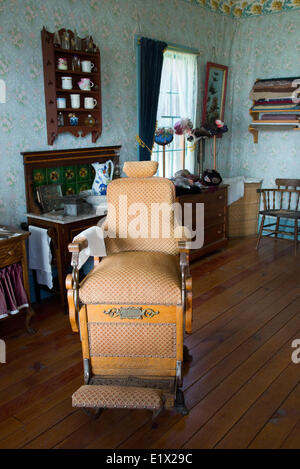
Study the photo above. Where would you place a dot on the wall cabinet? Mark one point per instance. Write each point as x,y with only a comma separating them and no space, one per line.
54,72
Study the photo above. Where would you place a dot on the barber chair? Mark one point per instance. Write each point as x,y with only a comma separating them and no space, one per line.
132,308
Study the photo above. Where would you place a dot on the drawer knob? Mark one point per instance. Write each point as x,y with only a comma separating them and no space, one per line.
220,197
10,253
219,231
220,214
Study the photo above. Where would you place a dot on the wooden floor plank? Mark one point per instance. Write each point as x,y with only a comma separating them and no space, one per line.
241,387
220,423
293,439
48,400
210,283
59,431
264,293
119,433
10,426
282,421
48,354
211,275
216,398
95,430
204,359
48,381
44,422
236,367
237,289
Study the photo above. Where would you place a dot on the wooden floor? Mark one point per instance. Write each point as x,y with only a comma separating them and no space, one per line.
242,388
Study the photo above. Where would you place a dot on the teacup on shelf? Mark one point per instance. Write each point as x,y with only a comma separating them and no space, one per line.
85,84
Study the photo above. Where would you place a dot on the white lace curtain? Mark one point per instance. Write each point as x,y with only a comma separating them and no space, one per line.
177,99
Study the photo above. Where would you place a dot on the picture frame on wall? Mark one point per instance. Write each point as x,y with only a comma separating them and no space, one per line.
214,93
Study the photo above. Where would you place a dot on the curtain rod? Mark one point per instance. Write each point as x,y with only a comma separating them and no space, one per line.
170,46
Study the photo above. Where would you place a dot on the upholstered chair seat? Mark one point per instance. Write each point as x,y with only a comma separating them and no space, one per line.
133,278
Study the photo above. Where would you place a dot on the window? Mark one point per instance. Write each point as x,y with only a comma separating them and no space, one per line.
177,99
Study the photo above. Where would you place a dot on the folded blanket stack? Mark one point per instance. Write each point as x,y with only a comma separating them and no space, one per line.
281,117
277,99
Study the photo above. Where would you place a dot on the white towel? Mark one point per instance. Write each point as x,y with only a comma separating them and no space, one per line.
40,255
96,244
235,189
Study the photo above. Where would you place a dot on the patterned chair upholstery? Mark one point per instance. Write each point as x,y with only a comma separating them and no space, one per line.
133,277
132,307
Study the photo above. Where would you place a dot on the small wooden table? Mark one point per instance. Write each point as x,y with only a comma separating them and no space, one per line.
13,250
61,232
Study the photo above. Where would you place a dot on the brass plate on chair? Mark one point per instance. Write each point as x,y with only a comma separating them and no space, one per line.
131,312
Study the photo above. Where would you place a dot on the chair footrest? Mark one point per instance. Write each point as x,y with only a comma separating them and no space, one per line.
130,397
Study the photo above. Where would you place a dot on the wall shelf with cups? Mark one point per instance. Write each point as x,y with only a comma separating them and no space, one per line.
72,82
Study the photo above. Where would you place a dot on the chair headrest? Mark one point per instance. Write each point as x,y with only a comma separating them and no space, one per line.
140,169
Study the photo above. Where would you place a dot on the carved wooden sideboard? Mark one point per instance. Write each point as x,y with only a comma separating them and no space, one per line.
61,232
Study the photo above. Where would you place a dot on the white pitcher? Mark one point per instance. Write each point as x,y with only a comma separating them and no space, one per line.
104,174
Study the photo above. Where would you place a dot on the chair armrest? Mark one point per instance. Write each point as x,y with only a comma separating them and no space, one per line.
72,280
89,242
183,236
186,283
78,244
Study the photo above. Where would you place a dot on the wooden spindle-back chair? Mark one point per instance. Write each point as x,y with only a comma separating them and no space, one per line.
282,202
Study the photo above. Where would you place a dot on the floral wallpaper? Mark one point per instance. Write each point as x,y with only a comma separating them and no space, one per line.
259,46
263,47
113,24
242,8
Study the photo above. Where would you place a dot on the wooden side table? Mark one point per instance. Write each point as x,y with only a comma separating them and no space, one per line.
61,232
13,250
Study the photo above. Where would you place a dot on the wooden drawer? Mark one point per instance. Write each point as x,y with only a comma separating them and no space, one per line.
214,233
214,206
214,215
212,197
216,198
215,218
10,254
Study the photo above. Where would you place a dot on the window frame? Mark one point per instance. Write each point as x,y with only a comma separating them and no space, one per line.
171,47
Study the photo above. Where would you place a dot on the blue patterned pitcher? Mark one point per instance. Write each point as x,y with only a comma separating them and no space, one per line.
104,174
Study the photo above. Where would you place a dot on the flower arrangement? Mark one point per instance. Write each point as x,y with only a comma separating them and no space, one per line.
183,126
163,135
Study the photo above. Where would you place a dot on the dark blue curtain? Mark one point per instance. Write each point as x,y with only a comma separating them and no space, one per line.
151,61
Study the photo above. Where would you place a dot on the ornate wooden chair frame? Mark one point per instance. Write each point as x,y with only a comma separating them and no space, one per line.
163,374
